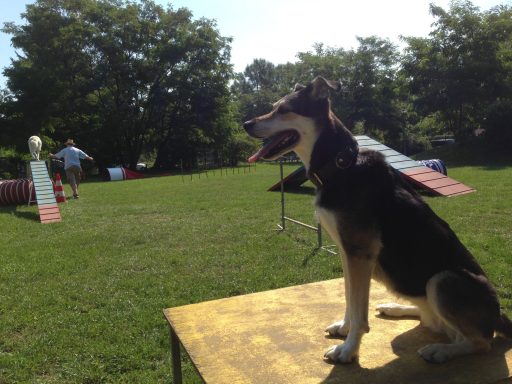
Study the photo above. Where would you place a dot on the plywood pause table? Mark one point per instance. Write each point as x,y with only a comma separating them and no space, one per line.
278,337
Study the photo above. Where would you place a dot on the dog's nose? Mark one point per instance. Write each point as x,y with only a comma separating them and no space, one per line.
248,125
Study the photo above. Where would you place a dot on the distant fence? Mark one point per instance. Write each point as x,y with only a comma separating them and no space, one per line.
210,169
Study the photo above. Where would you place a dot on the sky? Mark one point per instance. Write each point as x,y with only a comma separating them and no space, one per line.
276,30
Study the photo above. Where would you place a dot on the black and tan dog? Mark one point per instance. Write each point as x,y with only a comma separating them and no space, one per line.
385,229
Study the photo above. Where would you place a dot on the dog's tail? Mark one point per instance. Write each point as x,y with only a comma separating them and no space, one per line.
504,326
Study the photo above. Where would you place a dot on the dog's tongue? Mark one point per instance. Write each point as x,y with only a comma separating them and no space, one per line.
254,158
261,152
267,146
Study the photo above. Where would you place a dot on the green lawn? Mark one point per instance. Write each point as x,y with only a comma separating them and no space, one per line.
81,301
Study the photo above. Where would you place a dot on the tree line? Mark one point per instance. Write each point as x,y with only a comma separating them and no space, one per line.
132,80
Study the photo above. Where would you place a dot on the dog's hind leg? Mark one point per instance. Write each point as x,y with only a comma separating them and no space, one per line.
468,310
398,310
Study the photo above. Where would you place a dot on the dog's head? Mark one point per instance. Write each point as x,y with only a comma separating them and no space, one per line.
296,121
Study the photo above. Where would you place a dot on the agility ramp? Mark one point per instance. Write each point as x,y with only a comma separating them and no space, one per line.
293,180
45,197
418,174
414,172
278,337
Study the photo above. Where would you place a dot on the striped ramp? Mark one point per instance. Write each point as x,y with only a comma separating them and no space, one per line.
45,196
420,175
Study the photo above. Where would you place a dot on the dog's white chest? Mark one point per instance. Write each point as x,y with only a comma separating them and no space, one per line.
328,221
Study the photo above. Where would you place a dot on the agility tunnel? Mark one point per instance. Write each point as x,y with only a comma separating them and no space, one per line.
14,192
435,164
116,174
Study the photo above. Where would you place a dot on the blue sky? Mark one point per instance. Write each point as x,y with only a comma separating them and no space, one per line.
277,30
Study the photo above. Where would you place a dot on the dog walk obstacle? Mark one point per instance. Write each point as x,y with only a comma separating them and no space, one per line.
430,178
293,180
278,337
45,197
418,174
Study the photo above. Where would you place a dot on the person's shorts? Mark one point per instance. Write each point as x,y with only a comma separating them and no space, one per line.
73,175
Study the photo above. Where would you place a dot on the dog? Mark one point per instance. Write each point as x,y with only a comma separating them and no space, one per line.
34,146
385,229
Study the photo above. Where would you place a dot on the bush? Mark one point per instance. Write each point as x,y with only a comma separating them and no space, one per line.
11,164
239,148
498,123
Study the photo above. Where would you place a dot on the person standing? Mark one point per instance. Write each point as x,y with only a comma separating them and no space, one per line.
72,157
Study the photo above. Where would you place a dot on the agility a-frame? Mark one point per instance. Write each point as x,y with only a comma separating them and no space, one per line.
421,176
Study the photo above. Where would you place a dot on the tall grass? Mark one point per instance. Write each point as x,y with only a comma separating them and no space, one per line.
81,301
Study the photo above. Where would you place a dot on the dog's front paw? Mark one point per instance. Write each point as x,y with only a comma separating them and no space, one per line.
339,328
435,353
341,354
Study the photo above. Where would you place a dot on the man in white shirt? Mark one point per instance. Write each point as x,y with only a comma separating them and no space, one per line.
72,157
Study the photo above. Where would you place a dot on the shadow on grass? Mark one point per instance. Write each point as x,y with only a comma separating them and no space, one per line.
311,255
303,189
13,210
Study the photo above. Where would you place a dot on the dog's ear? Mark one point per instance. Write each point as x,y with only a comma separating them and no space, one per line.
321,87
298,87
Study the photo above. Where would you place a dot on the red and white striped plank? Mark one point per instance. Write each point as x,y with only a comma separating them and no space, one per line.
437,182
49,213
420,175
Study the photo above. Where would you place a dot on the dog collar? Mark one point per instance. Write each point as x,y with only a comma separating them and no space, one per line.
341,162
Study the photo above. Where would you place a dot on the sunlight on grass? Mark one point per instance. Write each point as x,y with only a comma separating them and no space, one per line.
81,300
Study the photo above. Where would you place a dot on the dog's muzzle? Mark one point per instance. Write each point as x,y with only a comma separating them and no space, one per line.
249,126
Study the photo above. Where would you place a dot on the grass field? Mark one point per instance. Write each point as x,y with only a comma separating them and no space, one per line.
81,301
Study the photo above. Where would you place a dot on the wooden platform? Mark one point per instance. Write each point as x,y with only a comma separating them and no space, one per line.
278,337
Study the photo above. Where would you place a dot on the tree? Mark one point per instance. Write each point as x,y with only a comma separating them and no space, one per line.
457,71
261,74
256,89
120,76
370,97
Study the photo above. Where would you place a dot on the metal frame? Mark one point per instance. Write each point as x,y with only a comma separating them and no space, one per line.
281,227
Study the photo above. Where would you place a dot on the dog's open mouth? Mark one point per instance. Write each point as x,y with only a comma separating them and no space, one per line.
276,145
